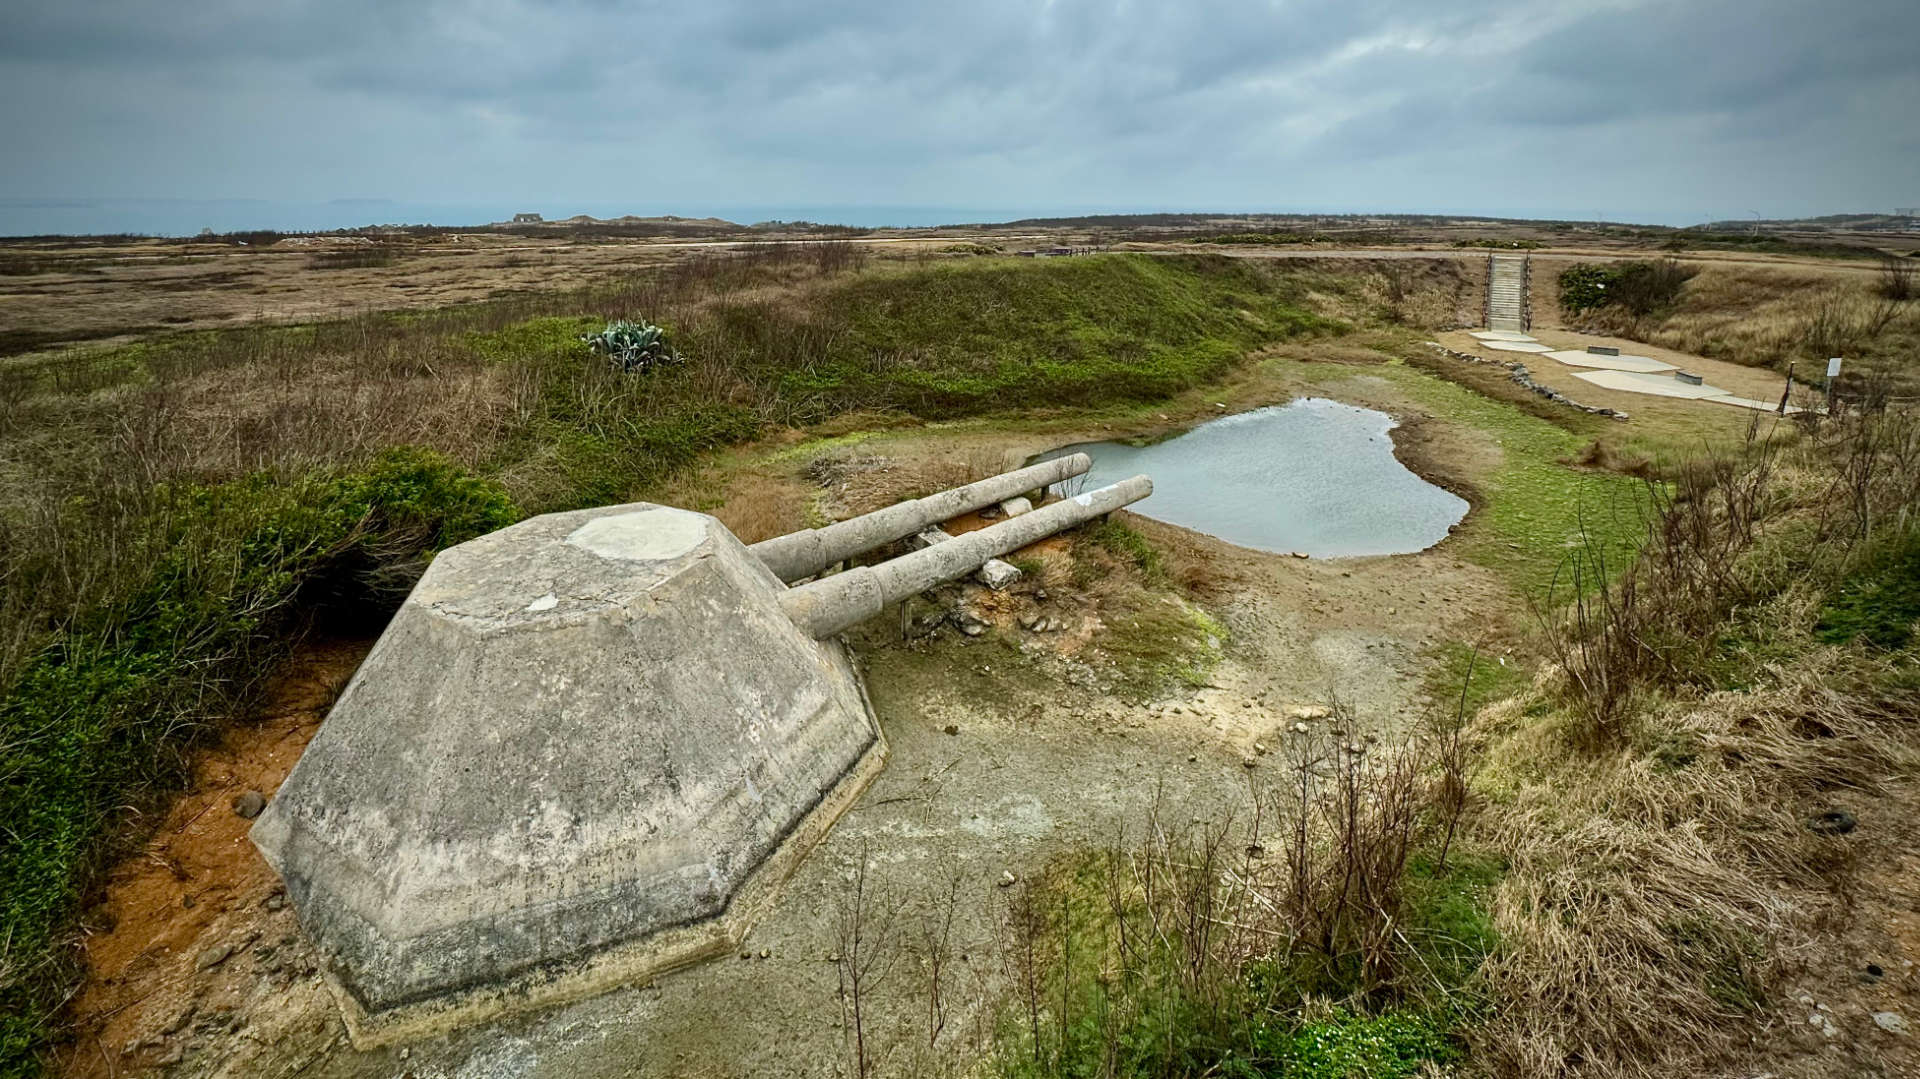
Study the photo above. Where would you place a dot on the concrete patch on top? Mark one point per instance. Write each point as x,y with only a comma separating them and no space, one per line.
1657,385
1516,346
1501,335
1578,358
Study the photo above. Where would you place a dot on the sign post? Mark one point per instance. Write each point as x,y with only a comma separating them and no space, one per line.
1833,372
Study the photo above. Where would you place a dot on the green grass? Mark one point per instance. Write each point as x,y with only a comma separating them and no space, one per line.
100,713
1534,511
105,712
1145,1009
1880,603
1454,666
960,338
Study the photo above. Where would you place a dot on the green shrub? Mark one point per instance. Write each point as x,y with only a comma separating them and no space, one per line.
1584,287
102,717
1639,287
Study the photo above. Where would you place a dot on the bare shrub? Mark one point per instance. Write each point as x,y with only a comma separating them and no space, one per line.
1896,279
868,925
1613,629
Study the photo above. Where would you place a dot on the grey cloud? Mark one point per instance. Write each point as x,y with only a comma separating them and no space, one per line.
1399,104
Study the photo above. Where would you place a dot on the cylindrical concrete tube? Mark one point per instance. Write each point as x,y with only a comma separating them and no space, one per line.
803,554
825,607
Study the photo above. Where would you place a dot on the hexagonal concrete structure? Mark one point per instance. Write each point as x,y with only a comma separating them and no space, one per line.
586,750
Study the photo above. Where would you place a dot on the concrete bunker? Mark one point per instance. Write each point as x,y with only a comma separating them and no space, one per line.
590,746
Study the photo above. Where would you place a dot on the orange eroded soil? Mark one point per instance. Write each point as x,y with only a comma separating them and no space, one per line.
156,979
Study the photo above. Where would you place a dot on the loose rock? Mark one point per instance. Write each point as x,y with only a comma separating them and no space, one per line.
1891,1022
212,957
249,804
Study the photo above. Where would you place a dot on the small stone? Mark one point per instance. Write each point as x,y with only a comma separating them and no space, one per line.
249,804
1192,757
998,575
833,957
973,629
1006,878
212,957
951,728
275,901
1014,507
1301,554
405,1052
1260,748
1891,1022
1028,620
1310,711
1250,763
766,953
1301,728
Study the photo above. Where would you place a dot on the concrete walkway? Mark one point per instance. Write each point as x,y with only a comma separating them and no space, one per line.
1507,294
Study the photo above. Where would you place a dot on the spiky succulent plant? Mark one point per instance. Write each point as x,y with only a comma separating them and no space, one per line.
633,346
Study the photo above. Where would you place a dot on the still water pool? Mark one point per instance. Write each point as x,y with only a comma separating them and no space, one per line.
1313,475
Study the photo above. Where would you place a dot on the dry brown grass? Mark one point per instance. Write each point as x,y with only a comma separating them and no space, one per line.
1657,902
1767,317
1664,882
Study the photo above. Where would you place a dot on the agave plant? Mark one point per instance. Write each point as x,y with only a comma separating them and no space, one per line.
632,346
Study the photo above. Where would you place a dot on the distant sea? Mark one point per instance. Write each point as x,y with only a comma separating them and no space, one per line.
182,217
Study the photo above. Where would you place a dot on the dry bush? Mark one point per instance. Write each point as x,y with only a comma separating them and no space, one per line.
1664,879
1613,630
1607,457
760,508
1655,903
1896,279
1197,944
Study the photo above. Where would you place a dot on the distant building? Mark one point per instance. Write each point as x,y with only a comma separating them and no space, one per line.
526,219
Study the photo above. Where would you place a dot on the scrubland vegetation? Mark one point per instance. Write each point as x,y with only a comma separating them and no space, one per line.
1595,863
1760,316
176,511
1614,868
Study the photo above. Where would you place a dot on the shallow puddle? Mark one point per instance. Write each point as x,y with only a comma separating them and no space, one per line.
1314,476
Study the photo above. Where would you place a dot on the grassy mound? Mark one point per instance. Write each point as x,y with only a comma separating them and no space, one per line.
175,511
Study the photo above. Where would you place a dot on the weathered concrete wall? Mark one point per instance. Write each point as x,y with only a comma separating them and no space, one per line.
580,738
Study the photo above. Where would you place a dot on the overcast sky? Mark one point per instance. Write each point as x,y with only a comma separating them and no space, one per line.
1671,110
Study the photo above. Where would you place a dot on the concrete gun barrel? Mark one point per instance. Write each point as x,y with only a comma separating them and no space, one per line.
799,555
827,606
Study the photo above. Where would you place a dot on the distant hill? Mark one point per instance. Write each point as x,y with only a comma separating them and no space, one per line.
1827,223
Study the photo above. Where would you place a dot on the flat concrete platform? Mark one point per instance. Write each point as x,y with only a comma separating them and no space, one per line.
1517,346
1580,358
1656,385
1757,406
1501,335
